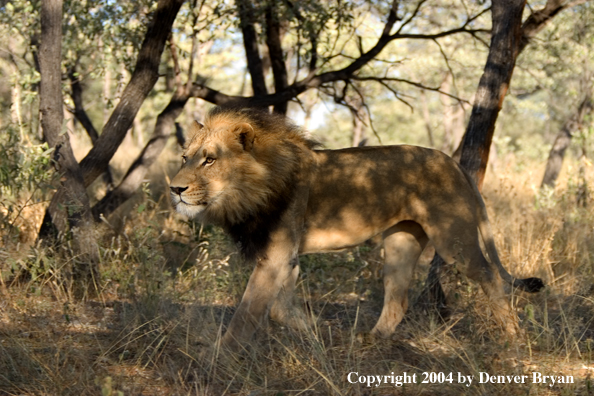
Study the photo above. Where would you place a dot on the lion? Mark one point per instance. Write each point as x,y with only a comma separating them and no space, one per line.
256,175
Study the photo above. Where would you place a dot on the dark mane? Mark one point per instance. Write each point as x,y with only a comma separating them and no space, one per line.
283,147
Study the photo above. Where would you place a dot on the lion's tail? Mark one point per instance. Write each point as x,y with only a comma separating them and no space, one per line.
531,285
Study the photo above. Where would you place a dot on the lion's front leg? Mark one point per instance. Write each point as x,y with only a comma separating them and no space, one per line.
284,310
273,269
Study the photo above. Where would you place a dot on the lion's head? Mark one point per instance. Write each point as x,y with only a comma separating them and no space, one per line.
236,165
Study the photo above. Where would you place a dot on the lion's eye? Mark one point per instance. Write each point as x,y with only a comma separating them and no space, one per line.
208,161
184,159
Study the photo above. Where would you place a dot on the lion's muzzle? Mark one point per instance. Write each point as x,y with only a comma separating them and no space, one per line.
177,190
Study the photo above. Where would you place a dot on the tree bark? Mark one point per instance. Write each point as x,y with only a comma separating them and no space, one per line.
562,141
164,128
250,43
74,212
506,37
275,50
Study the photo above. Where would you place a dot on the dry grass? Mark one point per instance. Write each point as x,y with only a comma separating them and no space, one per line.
169,288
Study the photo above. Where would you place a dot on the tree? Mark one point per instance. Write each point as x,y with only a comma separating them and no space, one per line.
571,91
508,38
563,139
143,79
74,209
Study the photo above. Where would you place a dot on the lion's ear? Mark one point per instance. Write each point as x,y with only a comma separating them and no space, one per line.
245,134
194,130
195,127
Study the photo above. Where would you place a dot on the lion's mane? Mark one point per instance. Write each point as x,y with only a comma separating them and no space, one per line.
254,205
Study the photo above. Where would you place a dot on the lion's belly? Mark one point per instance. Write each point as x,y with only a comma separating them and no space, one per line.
345,229
331,240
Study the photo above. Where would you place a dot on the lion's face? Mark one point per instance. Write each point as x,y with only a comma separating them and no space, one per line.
218,172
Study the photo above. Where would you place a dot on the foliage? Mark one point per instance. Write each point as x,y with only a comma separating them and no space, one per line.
26,176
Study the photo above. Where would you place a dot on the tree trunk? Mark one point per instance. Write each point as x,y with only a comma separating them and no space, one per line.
562,141
74,211
79,109
506,37
164,128
143,79
277,60
250,43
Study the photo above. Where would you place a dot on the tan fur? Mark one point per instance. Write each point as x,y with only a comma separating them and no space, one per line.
280,198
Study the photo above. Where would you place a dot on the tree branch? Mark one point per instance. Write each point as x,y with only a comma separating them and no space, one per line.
312,80
79,112
143,79
538,20
414,83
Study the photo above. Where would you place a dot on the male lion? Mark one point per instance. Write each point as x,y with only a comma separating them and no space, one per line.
258,177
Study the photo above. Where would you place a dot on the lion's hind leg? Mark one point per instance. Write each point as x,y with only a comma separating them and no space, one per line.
403,244
461,245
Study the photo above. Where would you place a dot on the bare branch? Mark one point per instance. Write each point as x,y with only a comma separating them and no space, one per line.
312,80
412,16
79,112
385,80
539,19
368,110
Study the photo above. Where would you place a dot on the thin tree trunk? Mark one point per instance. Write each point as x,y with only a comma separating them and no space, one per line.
358,130
275,50
427,119
74,211
563,140
250,43
79,109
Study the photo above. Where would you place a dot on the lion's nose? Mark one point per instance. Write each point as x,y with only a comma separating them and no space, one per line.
178,190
